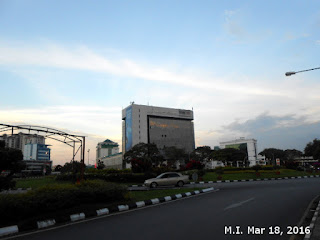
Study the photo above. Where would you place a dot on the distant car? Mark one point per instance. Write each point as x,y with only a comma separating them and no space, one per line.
168,178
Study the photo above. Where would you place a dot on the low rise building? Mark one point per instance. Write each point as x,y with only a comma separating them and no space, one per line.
249,146
108,154
112,161
106,148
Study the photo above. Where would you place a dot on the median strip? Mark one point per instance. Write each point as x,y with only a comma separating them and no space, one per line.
104,211
247,180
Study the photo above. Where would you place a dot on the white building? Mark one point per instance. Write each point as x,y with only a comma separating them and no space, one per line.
247,145
112,161
38,152
36,157
164,127
106,148
19,140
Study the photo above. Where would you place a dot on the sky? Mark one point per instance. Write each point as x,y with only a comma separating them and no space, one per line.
74,65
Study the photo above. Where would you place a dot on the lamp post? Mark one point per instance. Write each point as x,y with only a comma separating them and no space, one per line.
292,73
88,156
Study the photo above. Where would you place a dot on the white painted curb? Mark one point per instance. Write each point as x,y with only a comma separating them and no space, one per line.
46,223
102,211
9,230
77,217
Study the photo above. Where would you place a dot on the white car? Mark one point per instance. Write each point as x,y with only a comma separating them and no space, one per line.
168,178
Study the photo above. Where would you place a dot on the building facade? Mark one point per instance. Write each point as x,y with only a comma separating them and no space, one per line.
36,155
164,127
112,161
106,148
19,140
247,145
36,151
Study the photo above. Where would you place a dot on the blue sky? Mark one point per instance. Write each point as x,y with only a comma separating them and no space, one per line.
73,65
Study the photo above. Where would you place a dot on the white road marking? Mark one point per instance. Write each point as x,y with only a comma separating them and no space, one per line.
238,204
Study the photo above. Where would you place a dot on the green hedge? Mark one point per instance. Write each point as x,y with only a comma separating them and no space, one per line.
107,171
111,177
15,207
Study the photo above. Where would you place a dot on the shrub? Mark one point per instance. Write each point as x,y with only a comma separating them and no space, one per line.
219,171
14,207
6,182
107,171
111,177
201,172
256,168
193,164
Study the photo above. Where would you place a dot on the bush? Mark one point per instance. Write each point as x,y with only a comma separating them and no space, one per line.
111,177
49,199
219,170
193,164
6,182
256,168
107,171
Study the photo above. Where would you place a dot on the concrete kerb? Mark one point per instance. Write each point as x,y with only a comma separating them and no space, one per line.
313,220
5,231
305,220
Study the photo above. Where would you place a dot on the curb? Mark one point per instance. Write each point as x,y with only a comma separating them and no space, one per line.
99,212
244,180
312,223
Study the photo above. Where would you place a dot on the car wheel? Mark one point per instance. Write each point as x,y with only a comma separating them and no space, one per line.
180,184
153,185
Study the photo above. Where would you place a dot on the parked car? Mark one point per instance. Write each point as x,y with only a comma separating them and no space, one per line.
168,178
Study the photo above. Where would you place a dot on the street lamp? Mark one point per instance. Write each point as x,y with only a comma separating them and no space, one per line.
292,73
88,156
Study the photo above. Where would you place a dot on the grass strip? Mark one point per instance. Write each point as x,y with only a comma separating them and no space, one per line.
150,194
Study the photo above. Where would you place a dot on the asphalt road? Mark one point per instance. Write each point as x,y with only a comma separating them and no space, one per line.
244,204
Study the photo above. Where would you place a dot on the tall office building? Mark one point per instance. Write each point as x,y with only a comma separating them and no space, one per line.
19,140
164,127
36,155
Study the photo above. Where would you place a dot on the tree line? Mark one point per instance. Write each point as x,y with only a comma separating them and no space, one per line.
145,156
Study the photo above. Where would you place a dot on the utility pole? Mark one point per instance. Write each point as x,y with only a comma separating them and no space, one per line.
88,156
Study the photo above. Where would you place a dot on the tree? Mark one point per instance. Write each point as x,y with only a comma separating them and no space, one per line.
291,154
144,156
11,162
72,167
229,155
58,168
273,154
202,154
172,154
313,149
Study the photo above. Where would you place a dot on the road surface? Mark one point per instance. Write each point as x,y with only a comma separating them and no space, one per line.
257,205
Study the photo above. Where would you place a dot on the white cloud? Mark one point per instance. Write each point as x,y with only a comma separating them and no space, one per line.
82,58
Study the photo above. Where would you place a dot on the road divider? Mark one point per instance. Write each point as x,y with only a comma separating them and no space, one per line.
245,180
104,211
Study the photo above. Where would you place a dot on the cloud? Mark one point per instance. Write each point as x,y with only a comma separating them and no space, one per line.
232,24
83,58
284,132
